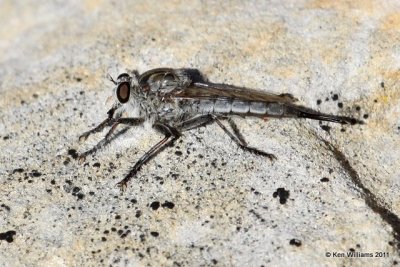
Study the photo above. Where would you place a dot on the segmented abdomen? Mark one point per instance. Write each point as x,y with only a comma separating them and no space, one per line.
237,107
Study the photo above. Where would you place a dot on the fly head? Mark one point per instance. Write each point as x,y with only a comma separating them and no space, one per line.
126,84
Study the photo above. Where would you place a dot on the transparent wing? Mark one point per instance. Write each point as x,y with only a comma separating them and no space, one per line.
178,83
223,91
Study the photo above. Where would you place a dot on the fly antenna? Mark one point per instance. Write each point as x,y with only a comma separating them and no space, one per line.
111,79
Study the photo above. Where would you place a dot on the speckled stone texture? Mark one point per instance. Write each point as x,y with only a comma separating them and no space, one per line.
333,189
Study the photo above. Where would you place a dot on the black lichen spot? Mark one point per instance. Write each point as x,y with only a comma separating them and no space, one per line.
335,97
319,101
358,108
117,217
326,128
8,236
67,187
282,193
254,191
6,137
73,153
324,179
174,175
382,84
35,173
103,239
125,234
155,205
5,207
168,204
295,242
214,261
19,170
354,121
340,105
97,165
365,116
138,213
75,192
78,79
155,234
214,163
178,153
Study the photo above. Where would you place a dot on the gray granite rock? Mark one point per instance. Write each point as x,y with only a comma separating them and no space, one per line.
333,189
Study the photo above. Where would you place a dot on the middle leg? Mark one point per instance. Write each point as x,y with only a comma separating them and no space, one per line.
171,135
107,138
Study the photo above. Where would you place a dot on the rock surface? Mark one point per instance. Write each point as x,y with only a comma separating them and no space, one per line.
333,189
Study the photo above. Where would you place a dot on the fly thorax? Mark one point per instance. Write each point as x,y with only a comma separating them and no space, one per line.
168,109
133,109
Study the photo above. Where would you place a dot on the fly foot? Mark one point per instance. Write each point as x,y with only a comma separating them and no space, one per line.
122,185
84,136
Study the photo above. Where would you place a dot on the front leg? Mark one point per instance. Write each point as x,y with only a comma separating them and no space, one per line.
106,123
171,134
107,138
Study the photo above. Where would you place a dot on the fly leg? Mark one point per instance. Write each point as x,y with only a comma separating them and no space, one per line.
107,138
124,121
195,122
171,135
107,122
236,131
238,138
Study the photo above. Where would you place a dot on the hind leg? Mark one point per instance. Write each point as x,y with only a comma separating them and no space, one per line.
238,138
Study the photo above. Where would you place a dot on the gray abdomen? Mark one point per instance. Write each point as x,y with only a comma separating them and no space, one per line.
238,107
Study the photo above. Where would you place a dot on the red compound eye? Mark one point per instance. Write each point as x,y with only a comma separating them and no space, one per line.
123,92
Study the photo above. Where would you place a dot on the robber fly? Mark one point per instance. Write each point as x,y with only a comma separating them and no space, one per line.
173,101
